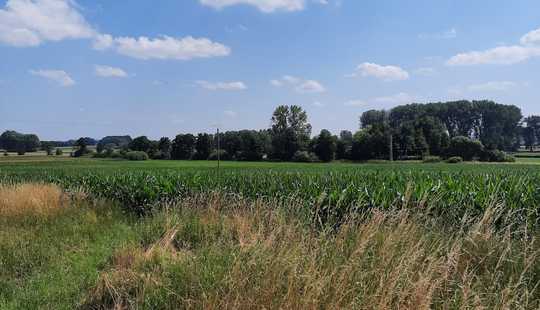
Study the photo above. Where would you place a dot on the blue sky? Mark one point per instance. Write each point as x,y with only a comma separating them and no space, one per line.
96,68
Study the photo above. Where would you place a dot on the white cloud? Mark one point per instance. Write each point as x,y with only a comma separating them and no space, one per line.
59,76
503,55
318,104
310,86
103,42
163,47
493,86
229,86
106,71
397,99
385,73
299,84
355,103
25,23
530,38
267,6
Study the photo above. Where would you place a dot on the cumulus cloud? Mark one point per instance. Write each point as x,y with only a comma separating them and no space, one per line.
266,6
503,55
163,47
493,86
299,84
530,38
310,86
385,73
26,23
229,86
58,76
106,71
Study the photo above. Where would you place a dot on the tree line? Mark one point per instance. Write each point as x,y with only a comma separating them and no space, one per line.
467,129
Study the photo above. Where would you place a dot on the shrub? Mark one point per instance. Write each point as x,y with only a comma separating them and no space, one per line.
465,148
136,155
6,153
454,160
20,153
431,159
223,155
304,157
497,156
59,152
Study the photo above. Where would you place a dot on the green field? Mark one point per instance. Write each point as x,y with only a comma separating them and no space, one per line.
332,189
179,234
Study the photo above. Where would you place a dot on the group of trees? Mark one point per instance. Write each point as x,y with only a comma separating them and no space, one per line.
429,129
469,129
12,141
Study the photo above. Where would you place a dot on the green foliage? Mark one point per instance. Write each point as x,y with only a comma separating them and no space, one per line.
183,146
114,141
13,141
454,160
465,148
431,159
328,188
290,132
305,157
223,155
136,155
325,146
141,144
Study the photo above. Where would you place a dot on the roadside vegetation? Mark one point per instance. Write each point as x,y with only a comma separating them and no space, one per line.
219,251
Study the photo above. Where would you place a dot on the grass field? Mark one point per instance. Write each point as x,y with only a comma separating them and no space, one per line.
267,235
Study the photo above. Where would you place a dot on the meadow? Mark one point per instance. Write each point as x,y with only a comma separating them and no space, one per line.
103,234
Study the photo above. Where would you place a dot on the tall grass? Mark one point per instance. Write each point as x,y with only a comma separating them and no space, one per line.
222,251
233,255
30,199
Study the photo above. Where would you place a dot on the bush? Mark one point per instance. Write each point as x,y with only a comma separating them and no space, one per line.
59,152
454,160
223,155
304,157
20,153
431,159
465,148
497,156
6,153
136,155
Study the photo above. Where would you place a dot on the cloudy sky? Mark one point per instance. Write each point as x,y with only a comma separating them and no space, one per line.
95,68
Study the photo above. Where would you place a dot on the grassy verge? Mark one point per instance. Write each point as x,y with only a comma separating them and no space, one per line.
228,253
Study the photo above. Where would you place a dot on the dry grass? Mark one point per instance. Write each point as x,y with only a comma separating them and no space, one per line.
31,199
243,259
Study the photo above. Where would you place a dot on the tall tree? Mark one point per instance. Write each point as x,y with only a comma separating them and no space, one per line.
142,144
203,146
183,146
290,131
164,147
325,146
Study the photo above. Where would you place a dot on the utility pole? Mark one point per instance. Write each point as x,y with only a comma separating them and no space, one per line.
218,155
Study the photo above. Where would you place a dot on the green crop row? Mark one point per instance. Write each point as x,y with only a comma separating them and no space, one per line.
327,194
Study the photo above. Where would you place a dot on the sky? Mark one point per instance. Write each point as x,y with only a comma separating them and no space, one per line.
159,68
